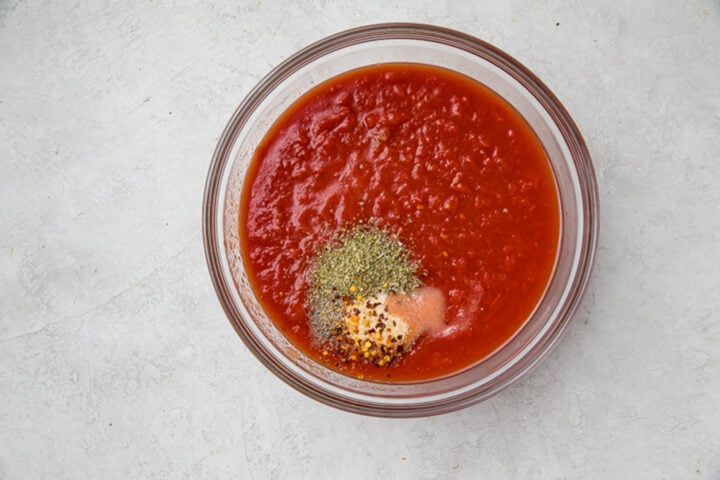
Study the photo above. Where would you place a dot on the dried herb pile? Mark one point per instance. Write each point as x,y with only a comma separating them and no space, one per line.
357,264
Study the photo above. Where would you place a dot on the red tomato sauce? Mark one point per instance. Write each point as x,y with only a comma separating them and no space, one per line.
444,163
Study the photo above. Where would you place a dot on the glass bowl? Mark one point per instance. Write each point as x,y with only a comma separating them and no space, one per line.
392,43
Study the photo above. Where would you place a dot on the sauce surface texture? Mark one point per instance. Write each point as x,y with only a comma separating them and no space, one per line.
439,160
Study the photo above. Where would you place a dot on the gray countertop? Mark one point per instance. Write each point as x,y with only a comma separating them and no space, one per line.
116,360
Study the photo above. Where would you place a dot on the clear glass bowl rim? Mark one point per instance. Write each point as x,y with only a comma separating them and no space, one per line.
427,33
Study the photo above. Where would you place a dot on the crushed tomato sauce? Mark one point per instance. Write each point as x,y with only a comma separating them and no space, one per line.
438,159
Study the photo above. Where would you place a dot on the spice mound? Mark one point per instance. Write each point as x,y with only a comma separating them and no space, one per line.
366,301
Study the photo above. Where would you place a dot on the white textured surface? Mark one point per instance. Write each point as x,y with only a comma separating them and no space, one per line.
116,360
